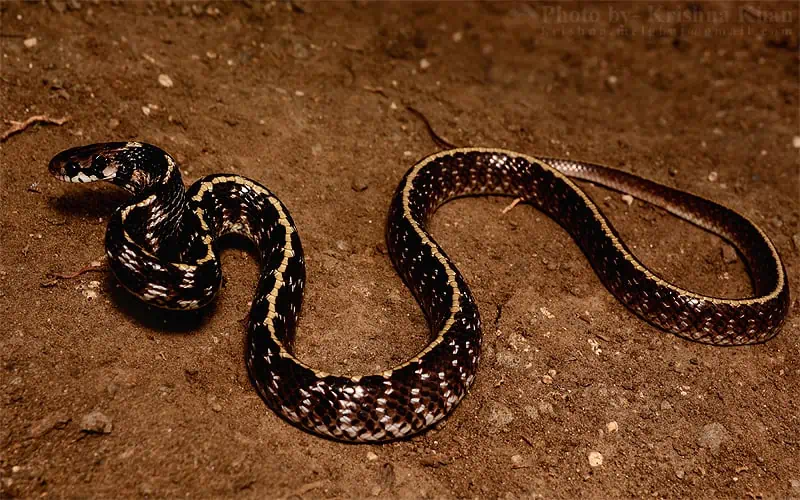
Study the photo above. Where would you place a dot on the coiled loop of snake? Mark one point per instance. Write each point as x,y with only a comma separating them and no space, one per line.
162,247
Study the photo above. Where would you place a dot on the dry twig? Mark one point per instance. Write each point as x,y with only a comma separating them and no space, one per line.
17,127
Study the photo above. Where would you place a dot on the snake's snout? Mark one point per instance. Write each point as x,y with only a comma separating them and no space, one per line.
85,163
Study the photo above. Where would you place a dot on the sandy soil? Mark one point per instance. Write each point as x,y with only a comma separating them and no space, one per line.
103,396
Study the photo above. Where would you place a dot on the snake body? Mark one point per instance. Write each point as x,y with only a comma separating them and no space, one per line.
162,247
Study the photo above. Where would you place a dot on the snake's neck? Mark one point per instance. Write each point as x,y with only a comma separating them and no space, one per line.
154,217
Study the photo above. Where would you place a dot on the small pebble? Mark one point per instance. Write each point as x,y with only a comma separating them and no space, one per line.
517,459
113,123
595,346
146,110
165,80
30,42
212,401
665,405
358,186
595,459
729,254
96,423
796,141
424,64
713,176
795,484
458,36
371,456
498,416
547,314
680,474
612,426
712,436
547,379
628,199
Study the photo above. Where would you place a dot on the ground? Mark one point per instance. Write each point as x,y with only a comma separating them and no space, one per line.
102,396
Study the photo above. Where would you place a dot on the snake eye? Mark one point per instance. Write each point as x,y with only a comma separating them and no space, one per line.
71,169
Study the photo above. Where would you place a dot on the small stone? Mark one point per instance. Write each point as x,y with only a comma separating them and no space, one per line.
96,423
796,141
359,185
547,314
712,436
547,380
612,426
316,149
680,474
165,80
672,172
517,459
546,408
212,401
795,484
666,405
146,110
713,176
30,43
729,254
628,199
498,416
595,459
371,456
113,123
458,36
424,64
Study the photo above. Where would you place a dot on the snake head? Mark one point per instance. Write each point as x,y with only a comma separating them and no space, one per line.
96,162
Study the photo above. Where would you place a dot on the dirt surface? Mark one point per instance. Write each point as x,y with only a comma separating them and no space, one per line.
103,396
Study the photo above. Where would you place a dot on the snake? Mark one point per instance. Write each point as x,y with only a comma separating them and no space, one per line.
162,246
